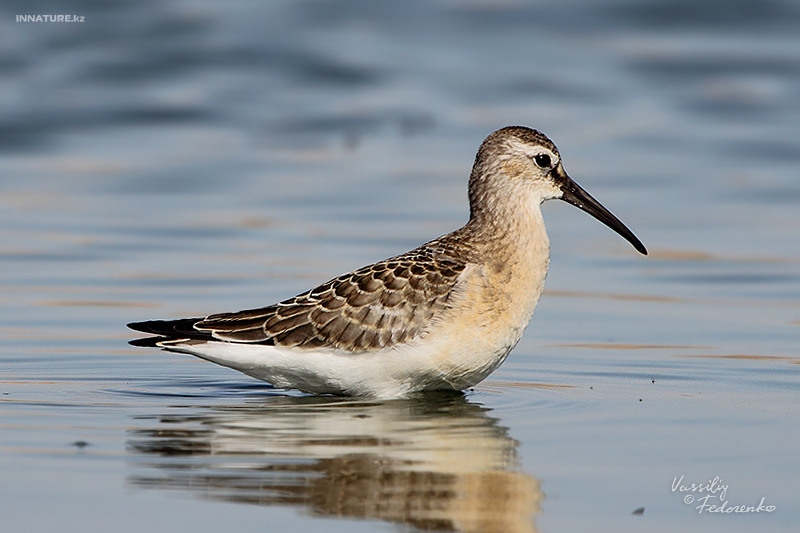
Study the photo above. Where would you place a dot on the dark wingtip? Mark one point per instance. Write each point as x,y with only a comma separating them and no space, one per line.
147,342
166,331
138,326
166,327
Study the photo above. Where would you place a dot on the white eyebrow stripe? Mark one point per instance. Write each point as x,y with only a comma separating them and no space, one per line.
532,150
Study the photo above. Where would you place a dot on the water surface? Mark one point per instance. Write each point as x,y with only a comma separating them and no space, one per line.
170,159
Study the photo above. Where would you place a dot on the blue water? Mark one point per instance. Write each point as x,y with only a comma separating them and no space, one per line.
170,159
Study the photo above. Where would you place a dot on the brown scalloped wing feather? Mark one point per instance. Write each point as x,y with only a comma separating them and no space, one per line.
374,307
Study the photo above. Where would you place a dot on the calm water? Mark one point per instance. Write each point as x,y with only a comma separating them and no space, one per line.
168,159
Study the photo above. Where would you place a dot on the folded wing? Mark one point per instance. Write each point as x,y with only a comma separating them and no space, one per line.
372,308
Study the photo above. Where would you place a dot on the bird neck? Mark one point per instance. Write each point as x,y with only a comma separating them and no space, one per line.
509,233
509,245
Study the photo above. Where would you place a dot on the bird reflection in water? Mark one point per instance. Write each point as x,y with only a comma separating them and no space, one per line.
438,463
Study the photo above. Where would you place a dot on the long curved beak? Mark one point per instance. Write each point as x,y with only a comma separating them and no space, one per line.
575,195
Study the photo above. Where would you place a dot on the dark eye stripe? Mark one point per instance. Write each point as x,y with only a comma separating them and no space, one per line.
543,160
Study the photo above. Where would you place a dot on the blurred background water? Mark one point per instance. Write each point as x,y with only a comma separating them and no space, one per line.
168,159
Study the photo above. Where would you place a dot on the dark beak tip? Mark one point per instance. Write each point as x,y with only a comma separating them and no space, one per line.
636,243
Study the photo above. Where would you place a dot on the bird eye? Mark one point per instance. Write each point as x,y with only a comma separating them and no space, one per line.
543,160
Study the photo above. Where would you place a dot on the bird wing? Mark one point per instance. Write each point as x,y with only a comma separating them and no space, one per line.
374,307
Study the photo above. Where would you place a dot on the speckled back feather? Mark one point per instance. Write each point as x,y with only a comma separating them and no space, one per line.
374,307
